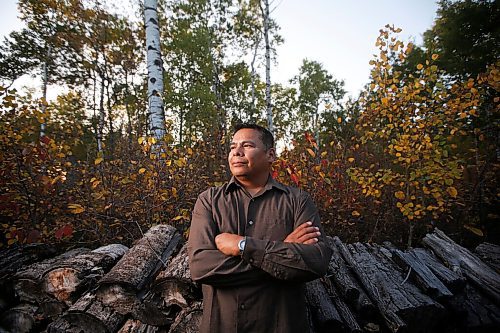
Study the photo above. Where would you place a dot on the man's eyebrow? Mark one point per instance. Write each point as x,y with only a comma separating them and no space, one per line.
242,142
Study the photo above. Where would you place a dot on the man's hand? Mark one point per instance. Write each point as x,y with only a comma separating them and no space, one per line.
304,234
228,243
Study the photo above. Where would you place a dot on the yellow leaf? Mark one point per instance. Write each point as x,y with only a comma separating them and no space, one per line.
351,159
98,160
452,191
142,170
339,120
420,66
178,217
434,56
76,208
311,152
140,140
385,101
400,195
355,213
477,231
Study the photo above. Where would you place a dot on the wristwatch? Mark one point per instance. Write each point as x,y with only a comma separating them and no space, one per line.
241,245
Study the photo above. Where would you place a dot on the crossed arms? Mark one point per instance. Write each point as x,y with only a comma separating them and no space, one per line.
214,257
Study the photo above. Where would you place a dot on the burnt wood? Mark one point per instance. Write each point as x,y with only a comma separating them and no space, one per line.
421,275
463,260
490,254
401,304
363,305
474,312
325,316
453,280
350,322
338,272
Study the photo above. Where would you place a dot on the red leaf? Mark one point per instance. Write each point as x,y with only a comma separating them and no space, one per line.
33,236
67,230
295,178
45,139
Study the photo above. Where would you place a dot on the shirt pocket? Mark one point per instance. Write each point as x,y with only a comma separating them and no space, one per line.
277,229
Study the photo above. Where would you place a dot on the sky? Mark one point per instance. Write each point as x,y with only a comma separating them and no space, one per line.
340,34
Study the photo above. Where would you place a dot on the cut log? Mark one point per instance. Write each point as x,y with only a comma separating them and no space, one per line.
461,259
325,316
350,322
490,254
144,260
174,286
69,279
421,275
28,281
363,305
338,272
400,304
20,319
474,312
88,314
188,320
123,287
13,259
452,280
136,326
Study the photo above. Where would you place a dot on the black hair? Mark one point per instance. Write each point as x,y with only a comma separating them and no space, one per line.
265,135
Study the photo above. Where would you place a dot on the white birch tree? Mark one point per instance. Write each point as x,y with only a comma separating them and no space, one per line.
269,109
155,70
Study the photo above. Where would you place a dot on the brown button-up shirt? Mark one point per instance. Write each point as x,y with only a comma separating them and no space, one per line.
263,290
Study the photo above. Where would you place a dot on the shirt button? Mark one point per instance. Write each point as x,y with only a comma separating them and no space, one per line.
242,306
250,222
251,260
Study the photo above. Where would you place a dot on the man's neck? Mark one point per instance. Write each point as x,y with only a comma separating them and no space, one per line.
254,185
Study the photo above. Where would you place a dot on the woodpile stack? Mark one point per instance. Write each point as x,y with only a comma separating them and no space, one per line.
147,288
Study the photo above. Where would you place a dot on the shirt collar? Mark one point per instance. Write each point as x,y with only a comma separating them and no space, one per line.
271,183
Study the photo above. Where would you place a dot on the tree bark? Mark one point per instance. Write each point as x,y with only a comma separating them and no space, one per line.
124,286
155,70
189,320
88,314
269,106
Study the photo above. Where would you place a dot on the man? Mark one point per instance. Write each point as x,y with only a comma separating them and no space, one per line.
253,242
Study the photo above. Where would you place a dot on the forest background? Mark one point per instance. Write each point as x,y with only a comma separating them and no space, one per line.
418,148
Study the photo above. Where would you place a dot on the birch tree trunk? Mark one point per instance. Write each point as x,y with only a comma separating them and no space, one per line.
43,126
269,111
156,113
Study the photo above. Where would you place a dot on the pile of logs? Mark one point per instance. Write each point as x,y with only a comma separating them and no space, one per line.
147,288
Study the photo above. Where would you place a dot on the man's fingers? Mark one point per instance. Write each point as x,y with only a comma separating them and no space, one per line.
311,241
310,235
306,231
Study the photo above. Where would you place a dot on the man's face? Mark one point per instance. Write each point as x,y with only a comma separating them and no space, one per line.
248,156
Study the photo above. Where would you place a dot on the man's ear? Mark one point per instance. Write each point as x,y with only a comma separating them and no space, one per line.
271,155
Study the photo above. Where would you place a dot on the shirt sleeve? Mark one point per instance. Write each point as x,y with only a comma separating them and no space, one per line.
292,261
207,264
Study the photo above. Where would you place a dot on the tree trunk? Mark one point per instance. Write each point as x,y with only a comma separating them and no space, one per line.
102,115
155,70
269,110
43,126
252,79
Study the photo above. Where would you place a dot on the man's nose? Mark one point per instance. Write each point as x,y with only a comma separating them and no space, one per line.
238,151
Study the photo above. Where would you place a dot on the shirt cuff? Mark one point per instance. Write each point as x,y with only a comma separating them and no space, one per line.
255,250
